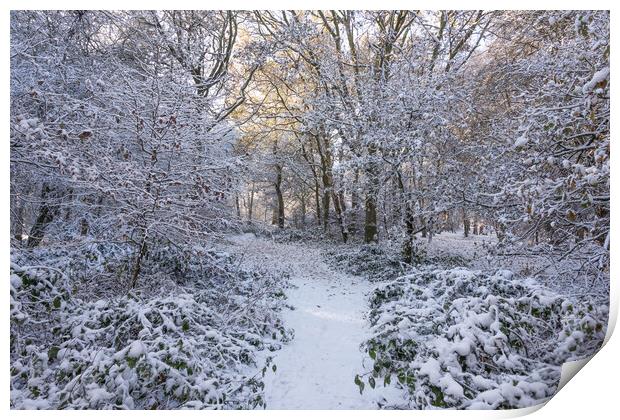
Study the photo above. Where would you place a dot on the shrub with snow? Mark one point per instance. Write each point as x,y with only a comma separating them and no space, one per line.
291,235
373,261
465,339
94,268
193,346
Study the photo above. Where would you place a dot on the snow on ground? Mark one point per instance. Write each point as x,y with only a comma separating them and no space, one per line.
316,370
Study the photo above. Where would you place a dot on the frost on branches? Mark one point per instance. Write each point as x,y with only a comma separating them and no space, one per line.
403,144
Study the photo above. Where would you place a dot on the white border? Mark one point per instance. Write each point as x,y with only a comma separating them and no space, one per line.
592,395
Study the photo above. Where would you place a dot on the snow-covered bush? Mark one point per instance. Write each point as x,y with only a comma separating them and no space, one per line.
373,261
95,268
441,258
291,235
189,346
465,339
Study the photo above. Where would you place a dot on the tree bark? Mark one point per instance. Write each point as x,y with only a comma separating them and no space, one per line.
355,204
251,203
326,162
325,208
317,199
466,224
138,264
279,197
340,210
17,216
370,202
18,224
47,212
238,206
370,223
317,187
303,211
409,223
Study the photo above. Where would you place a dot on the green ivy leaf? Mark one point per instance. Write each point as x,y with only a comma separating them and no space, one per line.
52,353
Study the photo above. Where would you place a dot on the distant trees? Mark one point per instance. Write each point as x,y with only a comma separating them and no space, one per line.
414,121
374,79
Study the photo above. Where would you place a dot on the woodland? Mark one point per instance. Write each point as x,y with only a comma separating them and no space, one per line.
306,209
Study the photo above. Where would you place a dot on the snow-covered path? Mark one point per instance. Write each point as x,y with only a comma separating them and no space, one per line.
316,370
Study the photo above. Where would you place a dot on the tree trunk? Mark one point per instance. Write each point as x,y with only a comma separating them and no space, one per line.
326,162
317,199
238,206
466,224
47,212
17,220
274,211
317,188
409,221
430,228
355,204
279,197
138,264
303,210
338,206
370,202
19,223
251,204
370,222
384,211
325,209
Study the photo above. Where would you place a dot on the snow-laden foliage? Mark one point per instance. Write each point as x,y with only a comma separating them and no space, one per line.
138,137
467,339
550,185
374,262
110,135
191,345
384,262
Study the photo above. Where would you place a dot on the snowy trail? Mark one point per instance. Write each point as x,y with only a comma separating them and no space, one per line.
316,370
